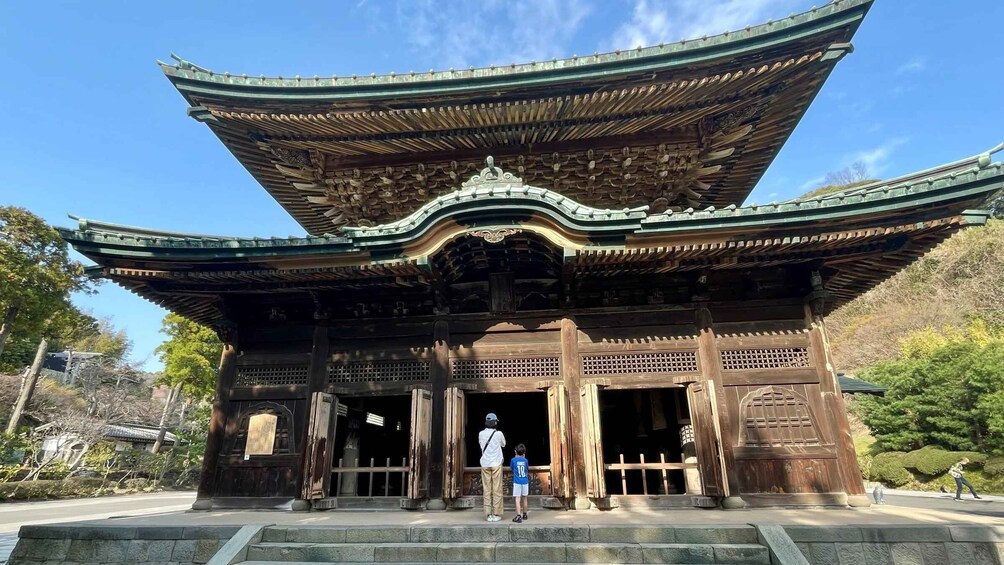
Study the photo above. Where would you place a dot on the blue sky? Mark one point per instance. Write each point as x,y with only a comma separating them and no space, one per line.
91,126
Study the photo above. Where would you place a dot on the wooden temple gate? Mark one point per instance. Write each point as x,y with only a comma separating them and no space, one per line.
748,395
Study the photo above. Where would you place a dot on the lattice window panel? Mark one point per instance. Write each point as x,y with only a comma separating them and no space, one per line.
669,362
777,417
378,371
272,375
775,358
518,368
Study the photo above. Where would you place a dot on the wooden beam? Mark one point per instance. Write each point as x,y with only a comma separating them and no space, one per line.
683,136
439,375
836,411
711,369
571,376
217,423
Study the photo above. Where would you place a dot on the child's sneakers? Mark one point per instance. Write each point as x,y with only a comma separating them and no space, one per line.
524,516
517,519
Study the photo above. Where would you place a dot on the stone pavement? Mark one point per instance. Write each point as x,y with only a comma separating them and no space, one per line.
876,515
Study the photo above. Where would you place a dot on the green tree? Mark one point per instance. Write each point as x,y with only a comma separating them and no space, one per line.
36,273
190,355
946,390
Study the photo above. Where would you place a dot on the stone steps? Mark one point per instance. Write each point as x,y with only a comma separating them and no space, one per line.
515,543
510,552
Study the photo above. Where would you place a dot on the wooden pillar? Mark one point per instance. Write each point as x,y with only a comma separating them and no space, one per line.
439,375
317,381
836,410
571,376
217,421
721,428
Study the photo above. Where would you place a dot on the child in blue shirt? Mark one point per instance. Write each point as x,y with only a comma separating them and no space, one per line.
520,481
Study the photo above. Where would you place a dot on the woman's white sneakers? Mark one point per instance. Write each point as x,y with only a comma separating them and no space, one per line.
493,518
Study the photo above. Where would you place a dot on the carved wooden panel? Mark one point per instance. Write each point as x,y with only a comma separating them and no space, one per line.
626,364
774,416
508,368
540,483
766,358
378,371
271,375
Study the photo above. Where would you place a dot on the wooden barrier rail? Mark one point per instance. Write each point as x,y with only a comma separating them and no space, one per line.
540,480
372,470
644,467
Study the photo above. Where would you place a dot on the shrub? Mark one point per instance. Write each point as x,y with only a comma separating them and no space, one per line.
45,489
994,467
888,468
137,484
932,461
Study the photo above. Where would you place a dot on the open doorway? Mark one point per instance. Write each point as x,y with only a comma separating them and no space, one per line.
649,426
522,418
372,435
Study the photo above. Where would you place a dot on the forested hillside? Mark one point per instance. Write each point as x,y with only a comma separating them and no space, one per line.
958,282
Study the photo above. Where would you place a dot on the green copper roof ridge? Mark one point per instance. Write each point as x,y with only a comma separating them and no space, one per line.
981,160
984,180
852,12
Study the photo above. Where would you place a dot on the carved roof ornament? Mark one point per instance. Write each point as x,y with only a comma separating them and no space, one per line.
495,235
491,176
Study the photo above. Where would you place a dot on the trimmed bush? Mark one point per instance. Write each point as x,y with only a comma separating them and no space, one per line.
45,489
994,467
933,461
888,468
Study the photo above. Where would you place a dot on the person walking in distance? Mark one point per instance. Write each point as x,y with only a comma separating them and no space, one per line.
958,474
492,441
520,481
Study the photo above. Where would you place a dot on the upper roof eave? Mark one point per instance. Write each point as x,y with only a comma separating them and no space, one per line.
191,79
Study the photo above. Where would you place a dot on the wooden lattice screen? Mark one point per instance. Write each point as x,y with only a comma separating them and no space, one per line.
271,375
520,368
777,417
378,371
770,358
626,364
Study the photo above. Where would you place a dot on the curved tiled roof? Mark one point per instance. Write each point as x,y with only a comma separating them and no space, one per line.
673,126
684,52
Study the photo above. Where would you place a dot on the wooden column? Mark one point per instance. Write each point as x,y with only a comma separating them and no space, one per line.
571,375
316,434
217,421
721,430
439,375
836,410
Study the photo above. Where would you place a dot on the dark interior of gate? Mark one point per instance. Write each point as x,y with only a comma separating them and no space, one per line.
522,419
650,426
372,435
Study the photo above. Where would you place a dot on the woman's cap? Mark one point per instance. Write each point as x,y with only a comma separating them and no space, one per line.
491,417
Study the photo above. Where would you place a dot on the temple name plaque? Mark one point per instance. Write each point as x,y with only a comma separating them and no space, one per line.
261,434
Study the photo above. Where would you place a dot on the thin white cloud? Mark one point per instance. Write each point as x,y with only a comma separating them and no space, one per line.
653,22
915,65
458,34
811,184
877,159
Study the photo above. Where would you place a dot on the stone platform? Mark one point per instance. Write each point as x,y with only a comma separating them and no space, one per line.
874,536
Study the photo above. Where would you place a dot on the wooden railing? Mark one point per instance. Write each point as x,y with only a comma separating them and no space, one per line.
373,470
663,468
540,481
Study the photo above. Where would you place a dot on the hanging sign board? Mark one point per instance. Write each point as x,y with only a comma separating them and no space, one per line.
261,435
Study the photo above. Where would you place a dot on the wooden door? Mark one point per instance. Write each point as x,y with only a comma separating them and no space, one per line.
592,444
320,445
707,438
557,416
453,442
418,452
